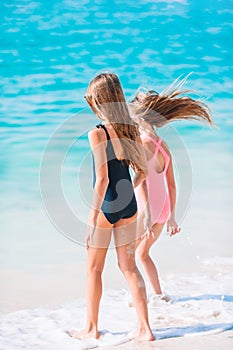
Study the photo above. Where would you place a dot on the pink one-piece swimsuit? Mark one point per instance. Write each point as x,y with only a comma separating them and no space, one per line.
156,185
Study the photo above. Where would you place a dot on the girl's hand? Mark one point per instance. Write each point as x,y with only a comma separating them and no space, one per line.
172,226
91,225
147,225
89,236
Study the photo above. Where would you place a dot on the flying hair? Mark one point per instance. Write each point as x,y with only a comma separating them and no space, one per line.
106,98
174,103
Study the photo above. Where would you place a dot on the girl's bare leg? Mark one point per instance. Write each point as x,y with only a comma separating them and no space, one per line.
126,262
143,248
95,263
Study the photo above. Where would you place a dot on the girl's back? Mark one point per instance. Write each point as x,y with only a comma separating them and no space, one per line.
158,160
119,201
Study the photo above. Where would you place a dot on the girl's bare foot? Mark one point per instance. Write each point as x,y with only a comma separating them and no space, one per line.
83,334
166,298
142,335
160,297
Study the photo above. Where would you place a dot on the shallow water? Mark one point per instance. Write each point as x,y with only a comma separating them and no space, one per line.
201,305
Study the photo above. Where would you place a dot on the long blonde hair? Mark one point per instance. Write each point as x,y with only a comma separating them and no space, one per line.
172,104
106,98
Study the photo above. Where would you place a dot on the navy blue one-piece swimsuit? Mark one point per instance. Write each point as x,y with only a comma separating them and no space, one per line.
119,201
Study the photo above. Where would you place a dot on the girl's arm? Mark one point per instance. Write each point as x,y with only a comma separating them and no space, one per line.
140,176
97,140
139,180
143,192
172,226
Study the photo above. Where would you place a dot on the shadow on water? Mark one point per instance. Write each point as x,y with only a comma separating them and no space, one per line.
200,329
228,298
173,332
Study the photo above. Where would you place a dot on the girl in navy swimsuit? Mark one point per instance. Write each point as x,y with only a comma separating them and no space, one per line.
115,146
119,201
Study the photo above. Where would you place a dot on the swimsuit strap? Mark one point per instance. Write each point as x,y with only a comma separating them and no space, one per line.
160,148
105,129
164,153
157,143
109,141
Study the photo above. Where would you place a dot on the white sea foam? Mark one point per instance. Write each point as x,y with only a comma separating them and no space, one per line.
201,304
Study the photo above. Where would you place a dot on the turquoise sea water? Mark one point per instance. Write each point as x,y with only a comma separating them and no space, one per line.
49,51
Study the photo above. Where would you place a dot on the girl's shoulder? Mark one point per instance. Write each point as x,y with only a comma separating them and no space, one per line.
146,138
165,146
96,135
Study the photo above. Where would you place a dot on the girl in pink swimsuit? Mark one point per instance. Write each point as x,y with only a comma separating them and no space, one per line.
151,110
156,181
